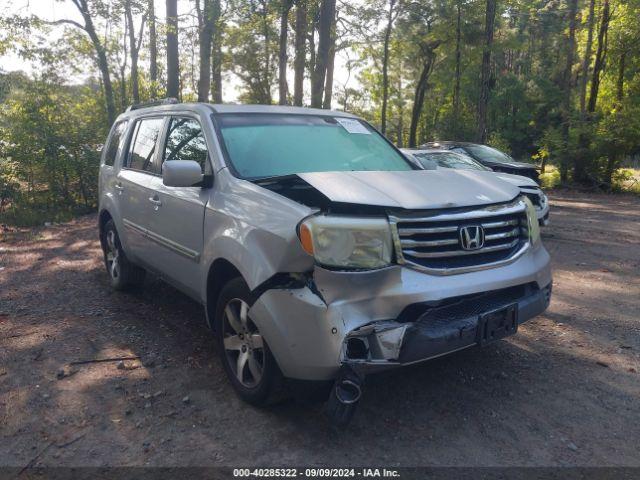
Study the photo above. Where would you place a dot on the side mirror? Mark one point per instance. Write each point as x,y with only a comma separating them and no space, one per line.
181,173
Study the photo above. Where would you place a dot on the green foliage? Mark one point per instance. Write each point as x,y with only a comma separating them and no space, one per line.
52,123
49,155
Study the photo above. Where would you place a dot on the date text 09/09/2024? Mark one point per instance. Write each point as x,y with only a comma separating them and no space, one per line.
316,473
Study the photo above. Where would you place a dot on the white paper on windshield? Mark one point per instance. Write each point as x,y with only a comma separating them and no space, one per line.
353,126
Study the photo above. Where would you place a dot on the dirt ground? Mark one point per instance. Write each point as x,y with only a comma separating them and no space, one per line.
564,391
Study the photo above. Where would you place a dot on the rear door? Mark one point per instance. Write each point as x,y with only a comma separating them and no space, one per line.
139,167
177,220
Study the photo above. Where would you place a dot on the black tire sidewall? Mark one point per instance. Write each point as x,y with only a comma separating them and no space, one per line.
258,395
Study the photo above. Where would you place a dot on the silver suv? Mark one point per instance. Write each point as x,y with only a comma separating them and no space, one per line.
318,251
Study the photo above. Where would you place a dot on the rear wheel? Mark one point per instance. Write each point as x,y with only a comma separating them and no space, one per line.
122,273
245,355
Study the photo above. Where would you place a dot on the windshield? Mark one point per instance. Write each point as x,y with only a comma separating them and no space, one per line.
449,160
266,145
488,154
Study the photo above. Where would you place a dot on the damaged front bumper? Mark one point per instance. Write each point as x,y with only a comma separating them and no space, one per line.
391,317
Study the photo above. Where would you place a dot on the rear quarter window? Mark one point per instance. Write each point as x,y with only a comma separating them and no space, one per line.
115,143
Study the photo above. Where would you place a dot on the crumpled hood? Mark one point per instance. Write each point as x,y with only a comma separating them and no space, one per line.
415,189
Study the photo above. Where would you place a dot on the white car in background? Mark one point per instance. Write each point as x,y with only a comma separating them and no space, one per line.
433,159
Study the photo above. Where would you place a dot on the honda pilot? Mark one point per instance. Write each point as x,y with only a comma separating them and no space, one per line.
319,252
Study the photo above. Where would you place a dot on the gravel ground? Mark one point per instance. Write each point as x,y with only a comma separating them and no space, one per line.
564,391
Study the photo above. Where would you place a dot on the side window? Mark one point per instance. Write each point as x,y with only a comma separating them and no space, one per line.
115,143
185,141
144,144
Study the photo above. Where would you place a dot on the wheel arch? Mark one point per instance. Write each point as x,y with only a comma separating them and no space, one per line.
220,272
103,217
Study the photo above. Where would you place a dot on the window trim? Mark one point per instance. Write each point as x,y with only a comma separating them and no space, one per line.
125,165
208,166
121,143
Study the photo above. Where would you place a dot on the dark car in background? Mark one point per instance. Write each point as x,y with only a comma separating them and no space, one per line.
489,157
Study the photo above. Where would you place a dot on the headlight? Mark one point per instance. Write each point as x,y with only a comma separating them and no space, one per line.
351,242
533,227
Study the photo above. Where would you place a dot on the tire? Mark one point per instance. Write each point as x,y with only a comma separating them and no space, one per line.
241,345
123,274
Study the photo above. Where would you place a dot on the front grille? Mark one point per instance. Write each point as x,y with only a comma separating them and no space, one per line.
433,241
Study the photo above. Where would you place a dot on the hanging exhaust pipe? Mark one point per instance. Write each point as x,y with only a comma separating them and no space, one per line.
344,397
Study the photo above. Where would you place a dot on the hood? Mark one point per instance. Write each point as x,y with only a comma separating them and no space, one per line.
517,180
415,189
513,164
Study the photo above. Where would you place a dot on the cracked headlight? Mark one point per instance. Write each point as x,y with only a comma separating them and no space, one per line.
533,227
348,242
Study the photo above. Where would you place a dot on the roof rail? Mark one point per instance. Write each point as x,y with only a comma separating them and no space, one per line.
153,103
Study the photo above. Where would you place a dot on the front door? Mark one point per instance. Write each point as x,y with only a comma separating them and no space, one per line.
133,186
177,220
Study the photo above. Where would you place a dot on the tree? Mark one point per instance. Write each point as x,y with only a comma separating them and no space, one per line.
173,66
600,57
301,33
456,83
485,71
567,87
153,49
325,27
134,47
206,26
391,16
216,55
283,89
428,59
101,54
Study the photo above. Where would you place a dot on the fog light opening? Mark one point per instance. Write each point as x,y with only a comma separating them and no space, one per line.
357,349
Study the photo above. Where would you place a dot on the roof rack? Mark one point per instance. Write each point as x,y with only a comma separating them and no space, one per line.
154,103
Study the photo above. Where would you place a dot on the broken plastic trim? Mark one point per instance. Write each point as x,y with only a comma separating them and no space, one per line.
378,341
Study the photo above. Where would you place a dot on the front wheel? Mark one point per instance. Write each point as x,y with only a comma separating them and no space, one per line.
245,355
122,273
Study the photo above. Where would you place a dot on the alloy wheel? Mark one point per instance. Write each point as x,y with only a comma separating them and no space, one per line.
243,344
113,254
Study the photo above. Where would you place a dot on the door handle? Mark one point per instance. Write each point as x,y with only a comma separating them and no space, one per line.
118,186
156,202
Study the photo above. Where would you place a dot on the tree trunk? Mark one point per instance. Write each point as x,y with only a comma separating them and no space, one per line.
421,90
485,72
173,66
301,52
566,99
101,55
206,23
327,17
600,57
312,48
385,67
123,68
134,47
620,80
586,62
153,50
328,84
216,55
265,94
283,88
456,83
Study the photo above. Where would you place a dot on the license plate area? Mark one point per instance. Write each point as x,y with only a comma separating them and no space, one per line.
497,324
